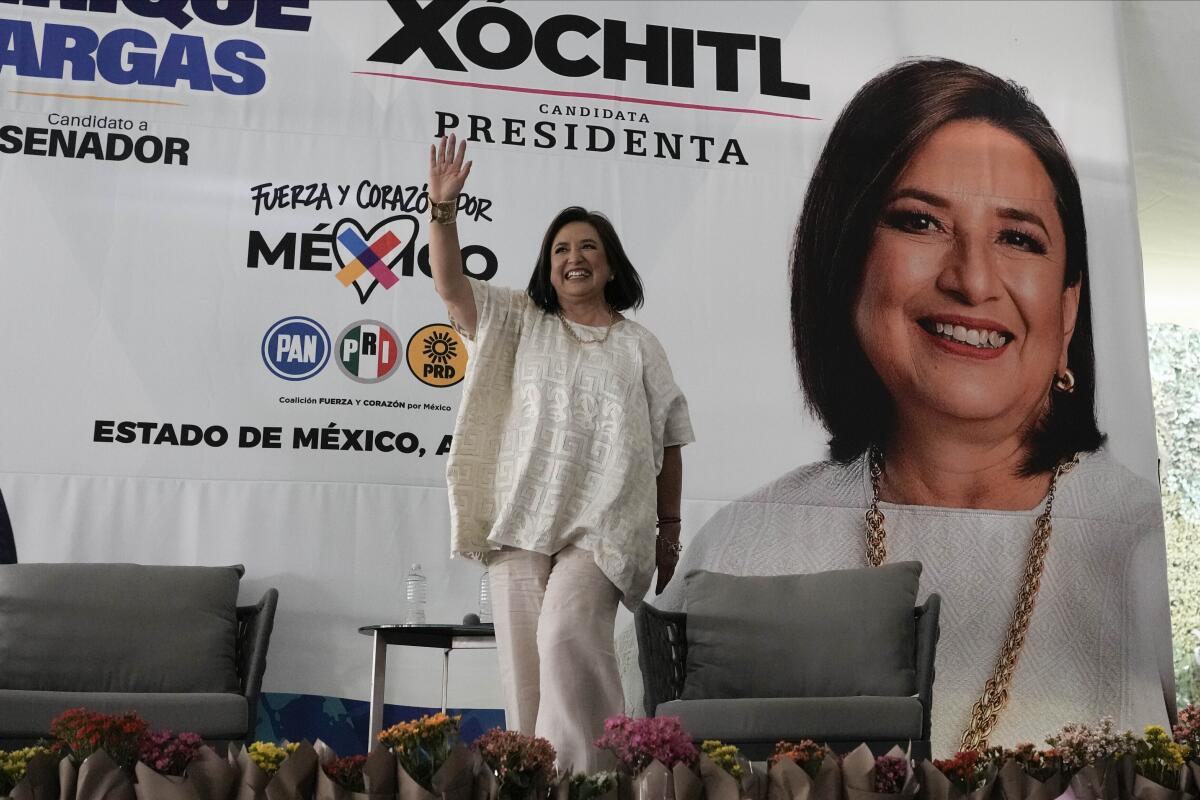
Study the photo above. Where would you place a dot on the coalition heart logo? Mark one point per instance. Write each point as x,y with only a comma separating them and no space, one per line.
367,259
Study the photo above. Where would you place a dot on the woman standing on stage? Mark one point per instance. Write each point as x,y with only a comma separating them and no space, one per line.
566,447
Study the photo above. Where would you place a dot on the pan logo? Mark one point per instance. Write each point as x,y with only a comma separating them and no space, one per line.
368,351
295,348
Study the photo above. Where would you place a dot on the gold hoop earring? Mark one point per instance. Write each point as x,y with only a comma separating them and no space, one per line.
1065,383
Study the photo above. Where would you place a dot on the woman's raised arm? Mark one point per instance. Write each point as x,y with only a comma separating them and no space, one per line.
447,174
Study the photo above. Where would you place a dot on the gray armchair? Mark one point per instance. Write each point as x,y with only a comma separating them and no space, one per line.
254,626
755,724
8,545
168,642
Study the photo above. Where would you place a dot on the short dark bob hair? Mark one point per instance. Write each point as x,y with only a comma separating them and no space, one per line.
870,145
625,289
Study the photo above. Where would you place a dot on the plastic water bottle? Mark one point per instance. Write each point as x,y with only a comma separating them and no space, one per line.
414,596
485,598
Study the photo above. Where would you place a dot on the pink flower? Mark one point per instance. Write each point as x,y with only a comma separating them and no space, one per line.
637,742
519,761
890,773
1187,730
169,753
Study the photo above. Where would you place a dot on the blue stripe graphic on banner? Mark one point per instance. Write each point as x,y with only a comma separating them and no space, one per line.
342,723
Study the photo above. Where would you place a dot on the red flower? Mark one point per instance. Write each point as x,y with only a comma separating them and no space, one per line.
82,732
807,754
966,770
347,772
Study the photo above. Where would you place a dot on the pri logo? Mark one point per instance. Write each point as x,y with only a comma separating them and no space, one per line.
368,351
295,348
366,258
437,356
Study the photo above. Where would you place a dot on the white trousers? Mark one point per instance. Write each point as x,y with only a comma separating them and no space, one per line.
554,620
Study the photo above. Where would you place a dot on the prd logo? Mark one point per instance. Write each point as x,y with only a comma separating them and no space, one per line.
295,348
368,351
437,356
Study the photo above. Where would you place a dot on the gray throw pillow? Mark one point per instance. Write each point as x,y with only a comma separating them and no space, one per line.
118,628
829,634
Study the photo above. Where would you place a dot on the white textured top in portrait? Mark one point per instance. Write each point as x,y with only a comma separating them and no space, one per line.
560,442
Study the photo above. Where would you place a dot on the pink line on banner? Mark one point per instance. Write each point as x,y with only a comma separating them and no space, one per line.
589,95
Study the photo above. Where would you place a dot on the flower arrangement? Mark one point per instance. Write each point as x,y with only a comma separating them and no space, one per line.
582,786
83,732
637,742
967,769
890,772
268,756
806,754
347,772
1079,745
1157,758
519,762
169,753
1187,729
724,756
423,745
1041,765
14,764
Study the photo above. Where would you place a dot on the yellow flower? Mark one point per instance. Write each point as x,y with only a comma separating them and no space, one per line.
269,756
14,765
723,755
422,745
428,730
1157,757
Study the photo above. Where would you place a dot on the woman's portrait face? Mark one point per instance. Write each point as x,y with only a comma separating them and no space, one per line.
962,310
578,264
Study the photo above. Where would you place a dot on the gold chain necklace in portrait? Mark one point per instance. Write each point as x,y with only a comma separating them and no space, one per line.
612,320
987,708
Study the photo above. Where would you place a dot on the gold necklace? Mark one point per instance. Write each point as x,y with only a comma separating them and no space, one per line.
612,320
986,711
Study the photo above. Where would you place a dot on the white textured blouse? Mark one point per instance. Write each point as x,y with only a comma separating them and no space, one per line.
560,443
1099,642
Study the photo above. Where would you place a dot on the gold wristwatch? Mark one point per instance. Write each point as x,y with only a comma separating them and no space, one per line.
443,212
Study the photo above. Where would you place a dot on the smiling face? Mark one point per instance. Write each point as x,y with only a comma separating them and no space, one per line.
579,268
962,310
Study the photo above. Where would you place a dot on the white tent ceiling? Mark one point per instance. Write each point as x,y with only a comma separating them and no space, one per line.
1162,73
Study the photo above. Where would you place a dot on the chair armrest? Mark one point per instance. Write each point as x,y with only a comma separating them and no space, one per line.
928,631
254,624
662,653
8,546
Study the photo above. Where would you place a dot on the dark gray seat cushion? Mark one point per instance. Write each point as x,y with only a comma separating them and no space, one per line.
822,719
27,714
829,634
118,628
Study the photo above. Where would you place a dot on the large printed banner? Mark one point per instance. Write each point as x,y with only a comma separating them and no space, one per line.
220,339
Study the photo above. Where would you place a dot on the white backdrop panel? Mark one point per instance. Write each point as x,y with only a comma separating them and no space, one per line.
127,293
